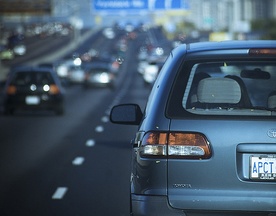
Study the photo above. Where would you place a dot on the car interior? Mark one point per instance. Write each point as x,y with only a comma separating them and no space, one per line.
233,88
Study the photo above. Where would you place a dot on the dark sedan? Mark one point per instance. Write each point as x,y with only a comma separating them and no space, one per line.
33,88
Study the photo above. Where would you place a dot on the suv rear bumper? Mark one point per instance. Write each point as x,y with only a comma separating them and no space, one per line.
143,205
152,205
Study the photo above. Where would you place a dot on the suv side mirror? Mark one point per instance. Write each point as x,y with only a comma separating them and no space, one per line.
129,114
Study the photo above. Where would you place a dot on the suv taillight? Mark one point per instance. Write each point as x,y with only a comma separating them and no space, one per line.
184,145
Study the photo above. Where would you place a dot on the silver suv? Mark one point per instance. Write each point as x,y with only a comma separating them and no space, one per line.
206,142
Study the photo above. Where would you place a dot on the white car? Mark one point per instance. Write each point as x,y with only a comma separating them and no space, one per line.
76,74
20,50
150,73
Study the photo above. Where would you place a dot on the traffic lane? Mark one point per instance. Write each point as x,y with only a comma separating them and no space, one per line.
104,47
28,186
28,137
96,185
87,168
38,48
92,166
76,109
42,46
52,49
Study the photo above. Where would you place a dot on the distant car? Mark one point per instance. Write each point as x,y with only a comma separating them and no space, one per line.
33,88
143,53
15,42
109,33
151,71
98,74
114,64
206,142
6,53
63,67
55,66
141,66
20,49
76,74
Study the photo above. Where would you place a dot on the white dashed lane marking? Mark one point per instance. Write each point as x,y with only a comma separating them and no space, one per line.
99,129
78,161
90,143
59,193
105,119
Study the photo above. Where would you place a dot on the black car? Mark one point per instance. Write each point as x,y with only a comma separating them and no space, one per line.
33,88
206,142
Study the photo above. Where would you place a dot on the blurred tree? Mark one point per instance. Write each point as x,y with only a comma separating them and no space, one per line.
268,27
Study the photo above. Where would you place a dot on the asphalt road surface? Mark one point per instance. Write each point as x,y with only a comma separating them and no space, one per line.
77,164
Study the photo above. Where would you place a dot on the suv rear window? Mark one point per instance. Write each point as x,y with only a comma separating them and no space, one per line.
228,88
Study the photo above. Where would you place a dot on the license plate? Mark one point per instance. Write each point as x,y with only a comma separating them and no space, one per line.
263,167
32,100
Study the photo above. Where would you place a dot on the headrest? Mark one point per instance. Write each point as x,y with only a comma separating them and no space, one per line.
271,101
219,90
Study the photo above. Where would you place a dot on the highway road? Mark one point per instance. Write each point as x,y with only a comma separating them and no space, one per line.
77,164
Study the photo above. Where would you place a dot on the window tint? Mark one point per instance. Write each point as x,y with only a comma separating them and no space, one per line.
231,88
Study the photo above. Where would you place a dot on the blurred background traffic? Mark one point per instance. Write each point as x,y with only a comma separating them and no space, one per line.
180,21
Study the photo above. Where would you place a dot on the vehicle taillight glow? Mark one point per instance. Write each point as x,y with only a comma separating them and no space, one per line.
262,52
54,89
154,144
188,145
115,65
11,90
175,145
